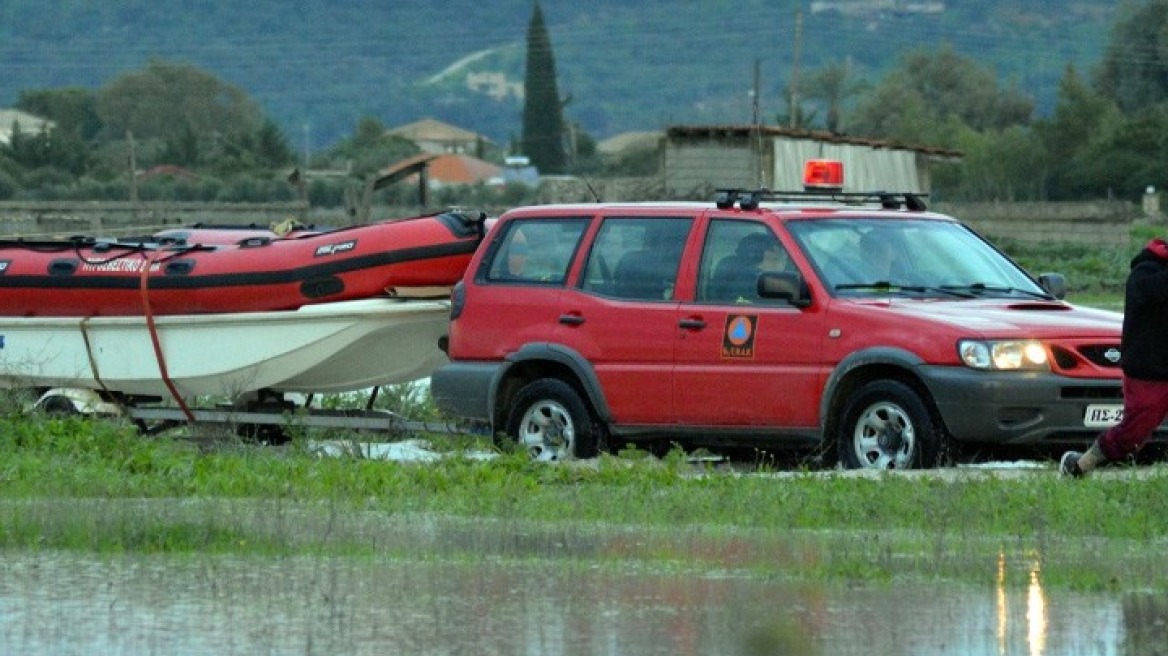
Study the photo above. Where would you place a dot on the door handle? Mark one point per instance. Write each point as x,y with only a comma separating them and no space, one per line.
692,324
571,319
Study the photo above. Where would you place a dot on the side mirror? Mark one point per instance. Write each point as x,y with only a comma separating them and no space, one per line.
784,286
1055,284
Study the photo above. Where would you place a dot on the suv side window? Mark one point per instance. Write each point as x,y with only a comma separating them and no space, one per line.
536,251
735,253
636,258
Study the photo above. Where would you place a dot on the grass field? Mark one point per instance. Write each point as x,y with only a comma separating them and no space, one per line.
96,486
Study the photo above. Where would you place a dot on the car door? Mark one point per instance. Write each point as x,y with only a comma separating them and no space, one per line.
742,360
518,285
621,315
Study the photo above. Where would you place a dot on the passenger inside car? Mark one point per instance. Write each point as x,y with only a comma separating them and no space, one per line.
649,272
735,278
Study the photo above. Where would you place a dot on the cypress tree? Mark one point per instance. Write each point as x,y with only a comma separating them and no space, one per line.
543,112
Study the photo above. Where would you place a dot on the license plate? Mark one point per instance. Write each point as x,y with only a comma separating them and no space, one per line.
1101,415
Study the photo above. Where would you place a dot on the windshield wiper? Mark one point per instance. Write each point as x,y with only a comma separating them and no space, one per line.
881,285
885,286
980,289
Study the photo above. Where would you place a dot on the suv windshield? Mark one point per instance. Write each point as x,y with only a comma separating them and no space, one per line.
864,256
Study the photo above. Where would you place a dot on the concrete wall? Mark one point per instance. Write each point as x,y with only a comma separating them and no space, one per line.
694,169
1107,223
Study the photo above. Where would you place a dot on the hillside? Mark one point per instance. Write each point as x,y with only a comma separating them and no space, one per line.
317,67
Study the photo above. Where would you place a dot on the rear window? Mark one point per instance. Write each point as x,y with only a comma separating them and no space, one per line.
535,251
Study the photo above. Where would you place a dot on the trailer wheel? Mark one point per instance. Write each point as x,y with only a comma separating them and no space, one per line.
550,422
58,406
886,425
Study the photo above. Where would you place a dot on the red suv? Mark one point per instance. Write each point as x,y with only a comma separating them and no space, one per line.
857,322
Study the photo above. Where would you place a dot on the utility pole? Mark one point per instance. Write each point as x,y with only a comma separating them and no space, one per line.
757,126
133,167
307,144
795,68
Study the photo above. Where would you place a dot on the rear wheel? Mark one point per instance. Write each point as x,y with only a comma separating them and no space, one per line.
886,425
550,422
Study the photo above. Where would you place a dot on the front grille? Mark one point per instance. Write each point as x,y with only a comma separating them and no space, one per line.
1092,393
1102,355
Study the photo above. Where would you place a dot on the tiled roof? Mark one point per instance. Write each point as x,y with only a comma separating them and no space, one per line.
442,169
462,169
429,129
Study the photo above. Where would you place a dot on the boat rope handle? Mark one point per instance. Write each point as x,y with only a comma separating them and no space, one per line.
144,288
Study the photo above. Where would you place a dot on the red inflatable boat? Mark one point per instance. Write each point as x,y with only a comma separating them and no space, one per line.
218,271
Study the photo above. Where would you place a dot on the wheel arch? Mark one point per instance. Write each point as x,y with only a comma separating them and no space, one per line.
548,360
862,367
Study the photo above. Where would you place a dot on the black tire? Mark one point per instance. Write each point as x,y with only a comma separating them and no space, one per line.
550,421
886,425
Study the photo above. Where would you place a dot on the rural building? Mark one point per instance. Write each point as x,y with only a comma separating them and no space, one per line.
699,159
434,136
439,171
454,170
495,85
29,124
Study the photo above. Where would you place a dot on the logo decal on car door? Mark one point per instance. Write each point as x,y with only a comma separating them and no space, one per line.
738,339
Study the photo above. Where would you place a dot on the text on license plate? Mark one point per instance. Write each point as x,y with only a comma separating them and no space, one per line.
1100,415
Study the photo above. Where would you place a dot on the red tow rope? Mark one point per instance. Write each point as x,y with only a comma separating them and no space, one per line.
144,288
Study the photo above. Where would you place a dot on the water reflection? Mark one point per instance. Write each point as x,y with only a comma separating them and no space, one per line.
1035,613
532,593
1035,617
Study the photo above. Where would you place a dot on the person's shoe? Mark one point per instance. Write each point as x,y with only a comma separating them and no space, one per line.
1069,464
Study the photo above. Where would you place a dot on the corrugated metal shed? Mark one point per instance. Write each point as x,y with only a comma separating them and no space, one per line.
699,159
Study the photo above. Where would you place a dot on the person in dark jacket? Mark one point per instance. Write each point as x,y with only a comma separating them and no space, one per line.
1145,364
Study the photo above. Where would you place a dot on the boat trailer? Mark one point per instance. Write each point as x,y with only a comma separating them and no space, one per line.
261,416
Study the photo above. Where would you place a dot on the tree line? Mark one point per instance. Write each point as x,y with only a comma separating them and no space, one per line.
189,136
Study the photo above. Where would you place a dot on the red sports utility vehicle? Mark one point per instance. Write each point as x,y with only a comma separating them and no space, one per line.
820,319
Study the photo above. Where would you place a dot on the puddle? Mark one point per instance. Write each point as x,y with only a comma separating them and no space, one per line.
461,587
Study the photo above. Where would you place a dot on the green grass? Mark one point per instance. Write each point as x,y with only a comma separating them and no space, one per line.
96,486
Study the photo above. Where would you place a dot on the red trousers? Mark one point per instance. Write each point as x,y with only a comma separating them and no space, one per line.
1145,404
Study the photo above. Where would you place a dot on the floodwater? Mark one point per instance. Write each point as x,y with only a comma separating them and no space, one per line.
472,587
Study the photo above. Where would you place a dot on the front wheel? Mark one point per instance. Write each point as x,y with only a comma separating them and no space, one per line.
550,422
886,425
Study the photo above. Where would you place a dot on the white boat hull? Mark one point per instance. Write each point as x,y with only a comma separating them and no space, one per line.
330,347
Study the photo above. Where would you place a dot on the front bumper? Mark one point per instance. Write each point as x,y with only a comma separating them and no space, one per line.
1018,407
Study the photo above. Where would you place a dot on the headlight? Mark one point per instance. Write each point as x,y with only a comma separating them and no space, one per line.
1005,355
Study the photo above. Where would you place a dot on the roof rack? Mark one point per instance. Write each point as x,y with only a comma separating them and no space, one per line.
749,199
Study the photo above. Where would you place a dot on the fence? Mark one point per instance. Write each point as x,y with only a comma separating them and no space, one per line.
35,220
